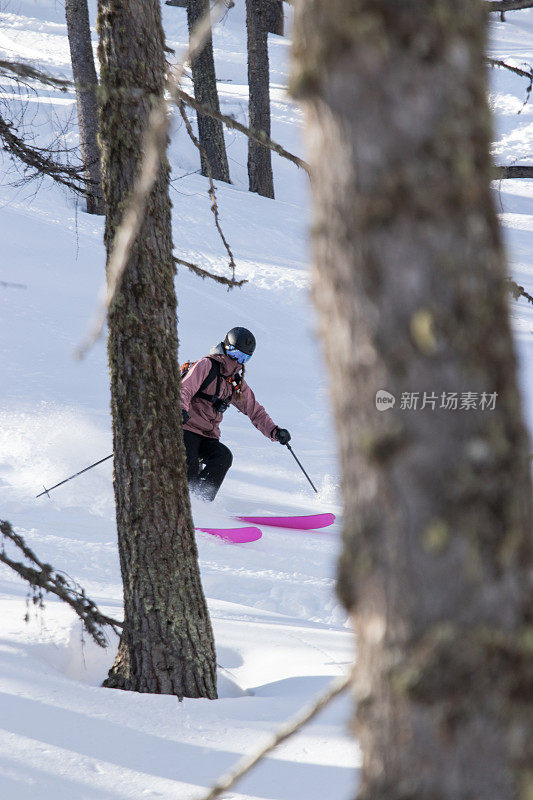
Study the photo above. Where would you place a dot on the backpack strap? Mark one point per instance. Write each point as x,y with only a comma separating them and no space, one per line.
213,372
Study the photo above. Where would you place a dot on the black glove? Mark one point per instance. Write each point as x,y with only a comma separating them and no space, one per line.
185,416
282,435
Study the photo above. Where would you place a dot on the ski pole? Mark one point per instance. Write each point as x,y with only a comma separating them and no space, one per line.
46,491
303,470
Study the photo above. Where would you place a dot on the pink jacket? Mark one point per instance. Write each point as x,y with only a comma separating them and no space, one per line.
204,420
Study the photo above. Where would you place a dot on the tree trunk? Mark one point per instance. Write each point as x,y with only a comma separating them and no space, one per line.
409,282
274,16
259,158
167,644
210,131
86,83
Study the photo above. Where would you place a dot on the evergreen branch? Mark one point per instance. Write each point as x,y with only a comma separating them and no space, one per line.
153,149
518,291
211,190
231,122
303,716
203,273
43,576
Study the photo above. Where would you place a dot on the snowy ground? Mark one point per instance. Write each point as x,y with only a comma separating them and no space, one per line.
281,635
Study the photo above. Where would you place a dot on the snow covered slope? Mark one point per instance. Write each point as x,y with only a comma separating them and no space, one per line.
281,634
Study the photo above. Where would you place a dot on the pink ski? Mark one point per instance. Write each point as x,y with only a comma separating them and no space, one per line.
235,535
307,523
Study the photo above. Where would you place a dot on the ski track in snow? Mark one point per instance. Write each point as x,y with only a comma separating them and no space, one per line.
281,634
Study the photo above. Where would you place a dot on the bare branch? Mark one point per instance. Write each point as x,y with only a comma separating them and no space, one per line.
43,576
211,190
518,291
231,122
25,71
10,285
515,171
203,273
288,729
154,147
39,160
508,5
494,62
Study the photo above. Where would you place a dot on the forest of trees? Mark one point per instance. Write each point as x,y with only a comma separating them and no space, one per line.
410,286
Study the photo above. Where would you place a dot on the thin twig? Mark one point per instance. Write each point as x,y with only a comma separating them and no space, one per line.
153,148
10,285
231,122
305,714
211,190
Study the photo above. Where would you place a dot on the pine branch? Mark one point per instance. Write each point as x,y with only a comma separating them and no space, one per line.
43,577
232,123
291,727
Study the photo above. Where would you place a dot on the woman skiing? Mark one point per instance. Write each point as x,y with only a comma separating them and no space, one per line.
208,388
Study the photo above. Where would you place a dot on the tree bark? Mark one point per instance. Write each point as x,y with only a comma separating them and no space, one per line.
167,644
210,131
409,282
274,16
260,176
86,83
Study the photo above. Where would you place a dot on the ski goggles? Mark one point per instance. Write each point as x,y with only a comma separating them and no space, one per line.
238,355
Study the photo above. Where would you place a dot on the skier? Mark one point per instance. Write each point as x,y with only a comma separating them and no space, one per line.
208,388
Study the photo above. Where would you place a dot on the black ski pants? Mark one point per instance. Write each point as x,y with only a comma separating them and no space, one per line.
216,459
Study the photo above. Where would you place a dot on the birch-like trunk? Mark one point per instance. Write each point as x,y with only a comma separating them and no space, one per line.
167,644
86,83
409,282
260,178
210,131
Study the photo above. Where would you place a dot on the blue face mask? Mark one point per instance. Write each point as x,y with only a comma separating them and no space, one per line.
238,355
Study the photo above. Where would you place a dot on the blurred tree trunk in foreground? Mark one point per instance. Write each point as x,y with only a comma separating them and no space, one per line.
167,642
409,269
210,131
86,83
260,178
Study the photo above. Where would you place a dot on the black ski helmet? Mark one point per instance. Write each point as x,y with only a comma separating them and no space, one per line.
242,339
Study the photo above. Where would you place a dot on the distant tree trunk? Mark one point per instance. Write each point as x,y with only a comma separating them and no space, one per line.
259,158
210,131
409,281
274,16
167,644
86,82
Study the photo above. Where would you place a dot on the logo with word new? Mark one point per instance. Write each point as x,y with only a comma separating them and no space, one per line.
384,400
